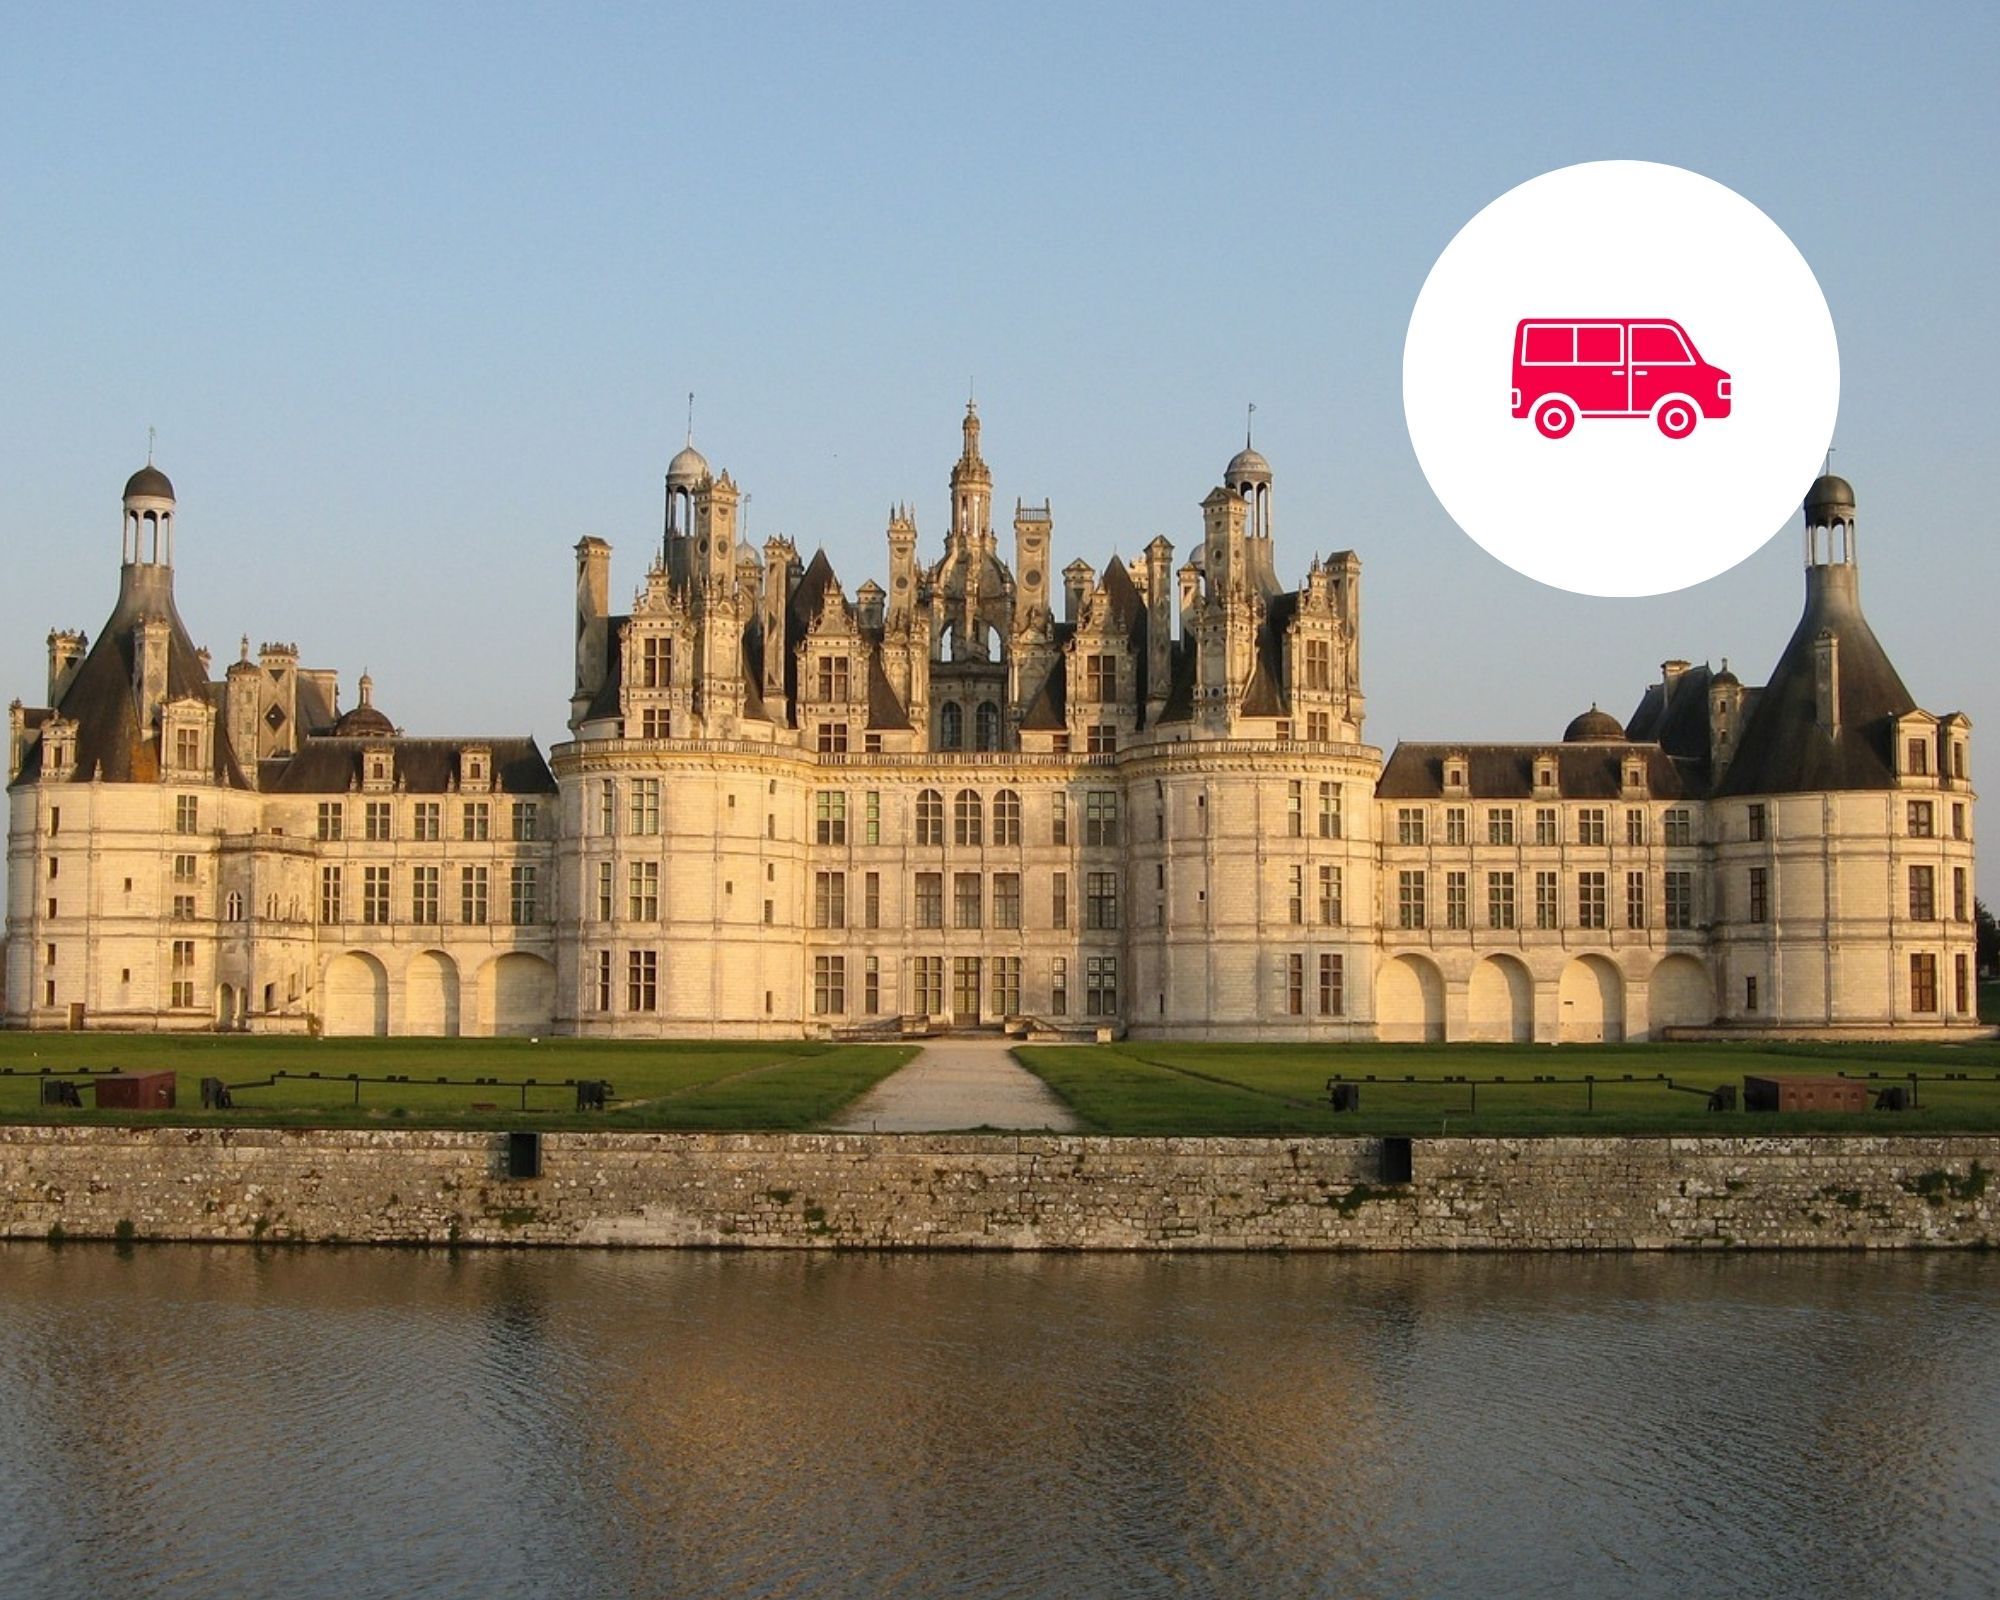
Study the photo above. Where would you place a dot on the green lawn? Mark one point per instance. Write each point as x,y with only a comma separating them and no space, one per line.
1136,1088
698,1085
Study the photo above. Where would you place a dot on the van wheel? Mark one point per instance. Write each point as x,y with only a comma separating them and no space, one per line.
1555,418
1676,417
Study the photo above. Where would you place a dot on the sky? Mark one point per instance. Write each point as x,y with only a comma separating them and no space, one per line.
415,297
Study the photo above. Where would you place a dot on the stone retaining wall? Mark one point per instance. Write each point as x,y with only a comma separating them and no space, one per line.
997,1191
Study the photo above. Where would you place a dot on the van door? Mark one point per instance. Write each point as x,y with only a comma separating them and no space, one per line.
1600,384
1662,364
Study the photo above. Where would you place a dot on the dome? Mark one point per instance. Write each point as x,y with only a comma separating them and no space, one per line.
149,480
1246,465
1593,727
1829,500
364,722
690,466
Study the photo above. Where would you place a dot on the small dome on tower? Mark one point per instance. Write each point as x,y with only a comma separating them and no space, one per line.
1828,501
1246,466
1593,727
688,467
149,482
364,721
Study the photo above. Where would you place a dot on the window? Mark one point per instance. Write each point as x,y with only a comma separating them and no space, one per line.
1545,824
1455,913
1662,346
1329,897
927,985
1961,983
472,896
1957,819
1329,811
1007,817
521,895
1059,901
183,869
1319,664
1454,824
375,894
1500,825
1548,901
1590,911
829,899
986,726
1680,899
1295,984
1923,983
604,892
1590,825
1409,825
1499,899
1319,726
1296,903
600,987
1100,739
642,980
1920,766
329,894
643,809
1923,894
527,817
424,894
1958,894
951,725
380,820
930,899
1100,986
1635,899
967,817
833,738
871,900
1059,819
1750,994
1006,979
656,662
1635,825
1100,679
331,816
1100,817
183,908
187,814
1958,758
1679,824
871,986
829,980
233,906
1059,987
642,891
1101,900
930,818
1331,981
607,807
1920,819
1006,899
475,820
830,816
1755,821
833,678
1759,894
656,722
871,810
965,898
1409,899
1295,809
182,994
55,821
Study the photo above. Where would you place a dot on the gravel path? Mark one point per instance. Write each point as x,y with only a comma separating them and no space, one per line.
956,1084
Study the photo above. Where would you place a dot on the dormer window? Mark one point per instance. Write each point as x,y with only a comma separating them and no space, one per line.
1545,775
1635,775
833,678
656,662
1919,758
1454,774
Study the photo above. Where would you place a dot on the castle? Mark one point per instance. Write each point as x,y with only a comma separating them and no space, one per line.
1142,804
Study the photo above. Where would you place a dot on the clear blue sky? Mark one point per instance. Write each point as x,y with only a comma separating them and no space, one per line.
415,296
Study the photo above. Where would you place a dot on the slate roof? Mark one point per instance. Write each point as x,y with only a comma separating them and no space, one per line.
605,702
1675,715
423,766
1506,771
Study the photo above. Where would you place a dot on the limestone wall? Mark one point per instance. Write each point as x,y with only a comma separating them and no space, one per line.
996,1192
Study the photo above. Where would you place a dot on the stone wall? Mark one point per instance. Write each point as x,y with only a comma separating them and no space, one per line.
996,1191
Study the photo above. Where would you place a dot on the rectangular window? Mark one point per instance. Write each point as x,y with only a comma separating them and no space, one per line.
1059,819
1635,899
830,816
332,815
644,808
183,869
1100,986
871,900
872,812
1548,901
605,893
642,980
656,722
642,891
1500,825
1295,808
183,907
1680,899
1006,899
1456,912
1006,980
187,814
1545,824
1100,679
375,894
1499,899
1959,898
1679,825
426,820
1755,821
1923,983
1750,994
424,894
329,894
1319,664
521,895
527,818
607,807
1957,819
829,899
834,679
1635,825
472,895
1410,900
1296,904
1059,901
871,986
1059,987
182,995
1332,1002
1923,894
380,820
1329,897
476,820
1454,824
1100,817
927,985
1590,825
1760,910
829,979
1920,815
1590,894
601,981
1329,811
1100,739
1295,984
1961,984
1101,902
187,747
1409,825
965,898
930,900
1919,766
656,662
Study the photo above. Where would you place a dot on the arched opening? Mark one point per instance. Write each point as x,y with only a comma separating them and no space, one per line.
521,993
1679,995
1409,1001
1592,1002
225,1006
951,726
986,726
430,995
357,996
1500,1002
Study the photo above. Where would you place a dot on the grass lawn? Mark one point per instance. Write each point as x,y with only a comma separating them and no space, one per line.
1137,1088
720,1085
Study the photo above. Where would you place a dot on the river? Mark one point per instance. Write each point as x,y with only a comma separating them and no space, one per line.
191,1421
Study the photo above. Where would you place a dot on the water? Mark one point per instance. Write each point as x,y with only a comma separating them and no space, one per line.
186,1421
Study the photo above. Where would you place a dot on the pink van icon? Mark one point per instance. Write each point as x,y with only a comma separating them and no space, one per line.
1570,367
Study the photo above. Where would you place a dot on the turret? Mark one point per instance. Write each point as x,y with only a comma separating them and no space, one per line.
971,488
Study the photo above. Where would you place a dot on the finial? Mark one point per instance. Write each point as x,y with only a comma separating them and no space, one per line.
1250,425
151,435
244,649
690,437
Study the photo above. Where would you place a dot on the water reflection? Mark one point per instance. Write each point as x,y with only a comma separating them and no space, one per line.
194,1422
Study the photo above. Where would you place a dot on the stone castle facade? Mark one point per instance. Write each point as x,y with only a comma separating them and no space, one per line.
1141,801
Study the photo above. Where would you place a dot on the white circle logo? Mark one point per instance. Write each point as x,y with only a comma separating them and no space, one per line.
1620,378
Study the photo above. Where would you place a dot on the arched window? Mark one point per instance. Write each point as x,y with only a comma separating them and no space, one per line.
966,817
233,907
986,726
930,817
951,726
1006,817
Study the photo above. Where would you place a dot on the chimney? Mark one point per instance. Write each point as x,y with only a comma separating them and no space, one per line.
1159,623
1076,584
593,609
1670,673
66,652
1826,680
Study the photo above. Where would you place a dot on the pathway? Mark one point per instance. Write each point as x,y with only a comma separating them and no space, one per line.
955,1084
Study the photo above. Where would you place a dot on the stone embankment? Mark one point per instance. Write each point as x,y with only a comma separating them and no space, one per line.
997,1191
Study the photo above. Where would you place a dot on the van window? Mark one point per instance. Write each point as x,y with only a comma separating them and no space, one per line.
1544,345
1600,345
1661,345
